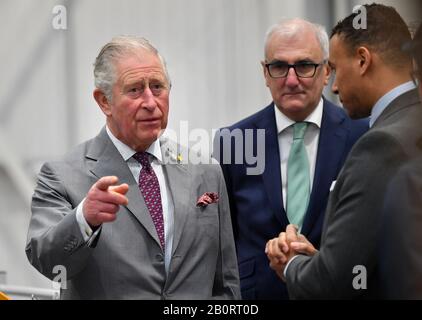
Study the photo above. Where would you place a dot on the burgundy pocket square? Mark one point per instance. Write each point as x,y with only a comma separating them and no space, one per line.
207,198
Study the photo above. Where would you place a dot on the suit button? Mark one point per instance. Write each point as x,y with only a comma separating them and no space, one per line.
159,257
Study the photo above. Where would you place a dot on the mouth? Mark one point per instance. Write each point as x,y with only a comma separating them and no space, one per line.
290,94
150,121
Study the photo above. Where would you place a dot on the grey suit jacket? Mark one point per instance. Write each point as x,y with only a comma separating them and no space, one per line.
400,249
352,219
126,261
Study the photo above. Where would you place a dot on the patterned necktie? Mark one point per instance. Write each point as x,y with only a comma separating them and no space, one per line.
150,190
298,182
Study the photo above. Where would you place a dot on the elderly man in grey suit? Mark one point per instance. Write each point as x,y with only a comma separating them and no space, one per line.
372,78
120,212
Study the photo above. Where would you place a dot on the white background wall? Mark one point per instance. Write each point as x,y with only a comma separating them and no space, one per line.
213,50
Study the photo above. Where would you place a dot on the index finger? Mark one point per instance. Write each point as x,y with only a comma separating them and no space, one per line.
122,189
291,233
105,182
282,242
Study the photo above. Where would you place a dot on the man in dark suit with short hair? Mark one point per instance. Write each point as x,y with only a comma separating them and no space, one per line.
400,248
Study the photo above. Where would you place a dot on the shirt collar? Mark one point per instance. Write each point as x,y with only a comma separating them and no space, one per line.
386,99
127,152
283,122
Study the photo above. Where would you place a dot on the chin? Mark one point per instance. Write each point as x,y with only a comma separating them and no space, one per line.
355,114
293,103
294,108
154,136
149,137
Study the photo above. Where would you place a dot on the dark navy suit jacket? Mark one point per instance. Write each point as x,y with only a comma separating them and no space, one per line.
256,200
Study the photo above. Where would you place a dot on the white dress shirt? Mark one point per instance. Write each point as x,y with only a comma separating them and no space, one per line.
285,140
135,168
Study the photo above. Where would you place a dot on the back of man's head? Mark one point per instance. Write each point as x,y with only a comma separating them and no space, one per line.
385,33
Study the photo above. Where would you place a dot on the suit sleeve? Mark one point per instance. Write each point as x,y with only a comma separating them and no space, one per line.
226,283
54,236
352,223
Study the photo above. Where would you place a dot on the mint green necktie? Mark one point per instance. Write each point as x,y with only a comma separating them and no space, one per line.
298,182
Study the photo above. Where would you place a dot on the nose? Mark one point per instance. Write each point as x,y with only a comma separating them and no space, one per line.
148,101
291,78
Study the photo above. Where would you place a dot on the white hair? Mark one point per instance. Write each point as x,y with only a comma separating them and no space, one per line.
117,48
295,26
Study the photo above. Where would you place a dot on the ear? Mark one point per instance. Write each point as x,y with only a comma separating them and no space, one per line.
327,73
102,101
265,71
364,59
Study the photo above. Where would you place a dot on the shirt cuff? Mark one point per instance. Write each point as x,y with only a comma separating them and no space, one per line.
287,265
86,230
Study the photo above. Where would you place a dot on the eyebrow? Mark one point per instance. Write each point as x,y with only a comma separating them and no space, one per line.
133,83
144,80
306,60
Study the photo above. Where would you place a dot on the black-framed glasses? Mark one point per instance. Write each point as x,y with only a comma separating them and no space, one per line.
280,69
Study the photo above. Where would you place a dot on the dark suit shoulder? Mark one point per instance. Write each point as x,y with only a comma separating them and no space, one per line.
336,113
250,122
376,157
402,118
405,127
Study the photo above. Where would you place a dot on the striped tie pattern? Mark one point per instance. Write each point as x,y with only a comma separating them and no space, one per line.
298,177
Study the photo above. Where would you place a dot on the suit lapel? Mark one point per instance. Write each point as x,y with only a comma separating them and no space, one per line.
109,162
179,184
272,173
330,152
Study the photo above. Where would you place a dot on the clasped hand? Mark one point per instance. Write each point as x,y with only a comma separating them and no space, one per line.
287,245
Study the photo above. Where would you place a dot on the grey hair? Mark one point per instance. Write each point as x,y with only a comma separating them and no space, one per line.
118,47
293,27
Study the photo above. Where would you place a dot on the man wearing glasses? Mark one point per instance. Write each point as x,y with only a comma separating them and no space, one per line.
307,139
